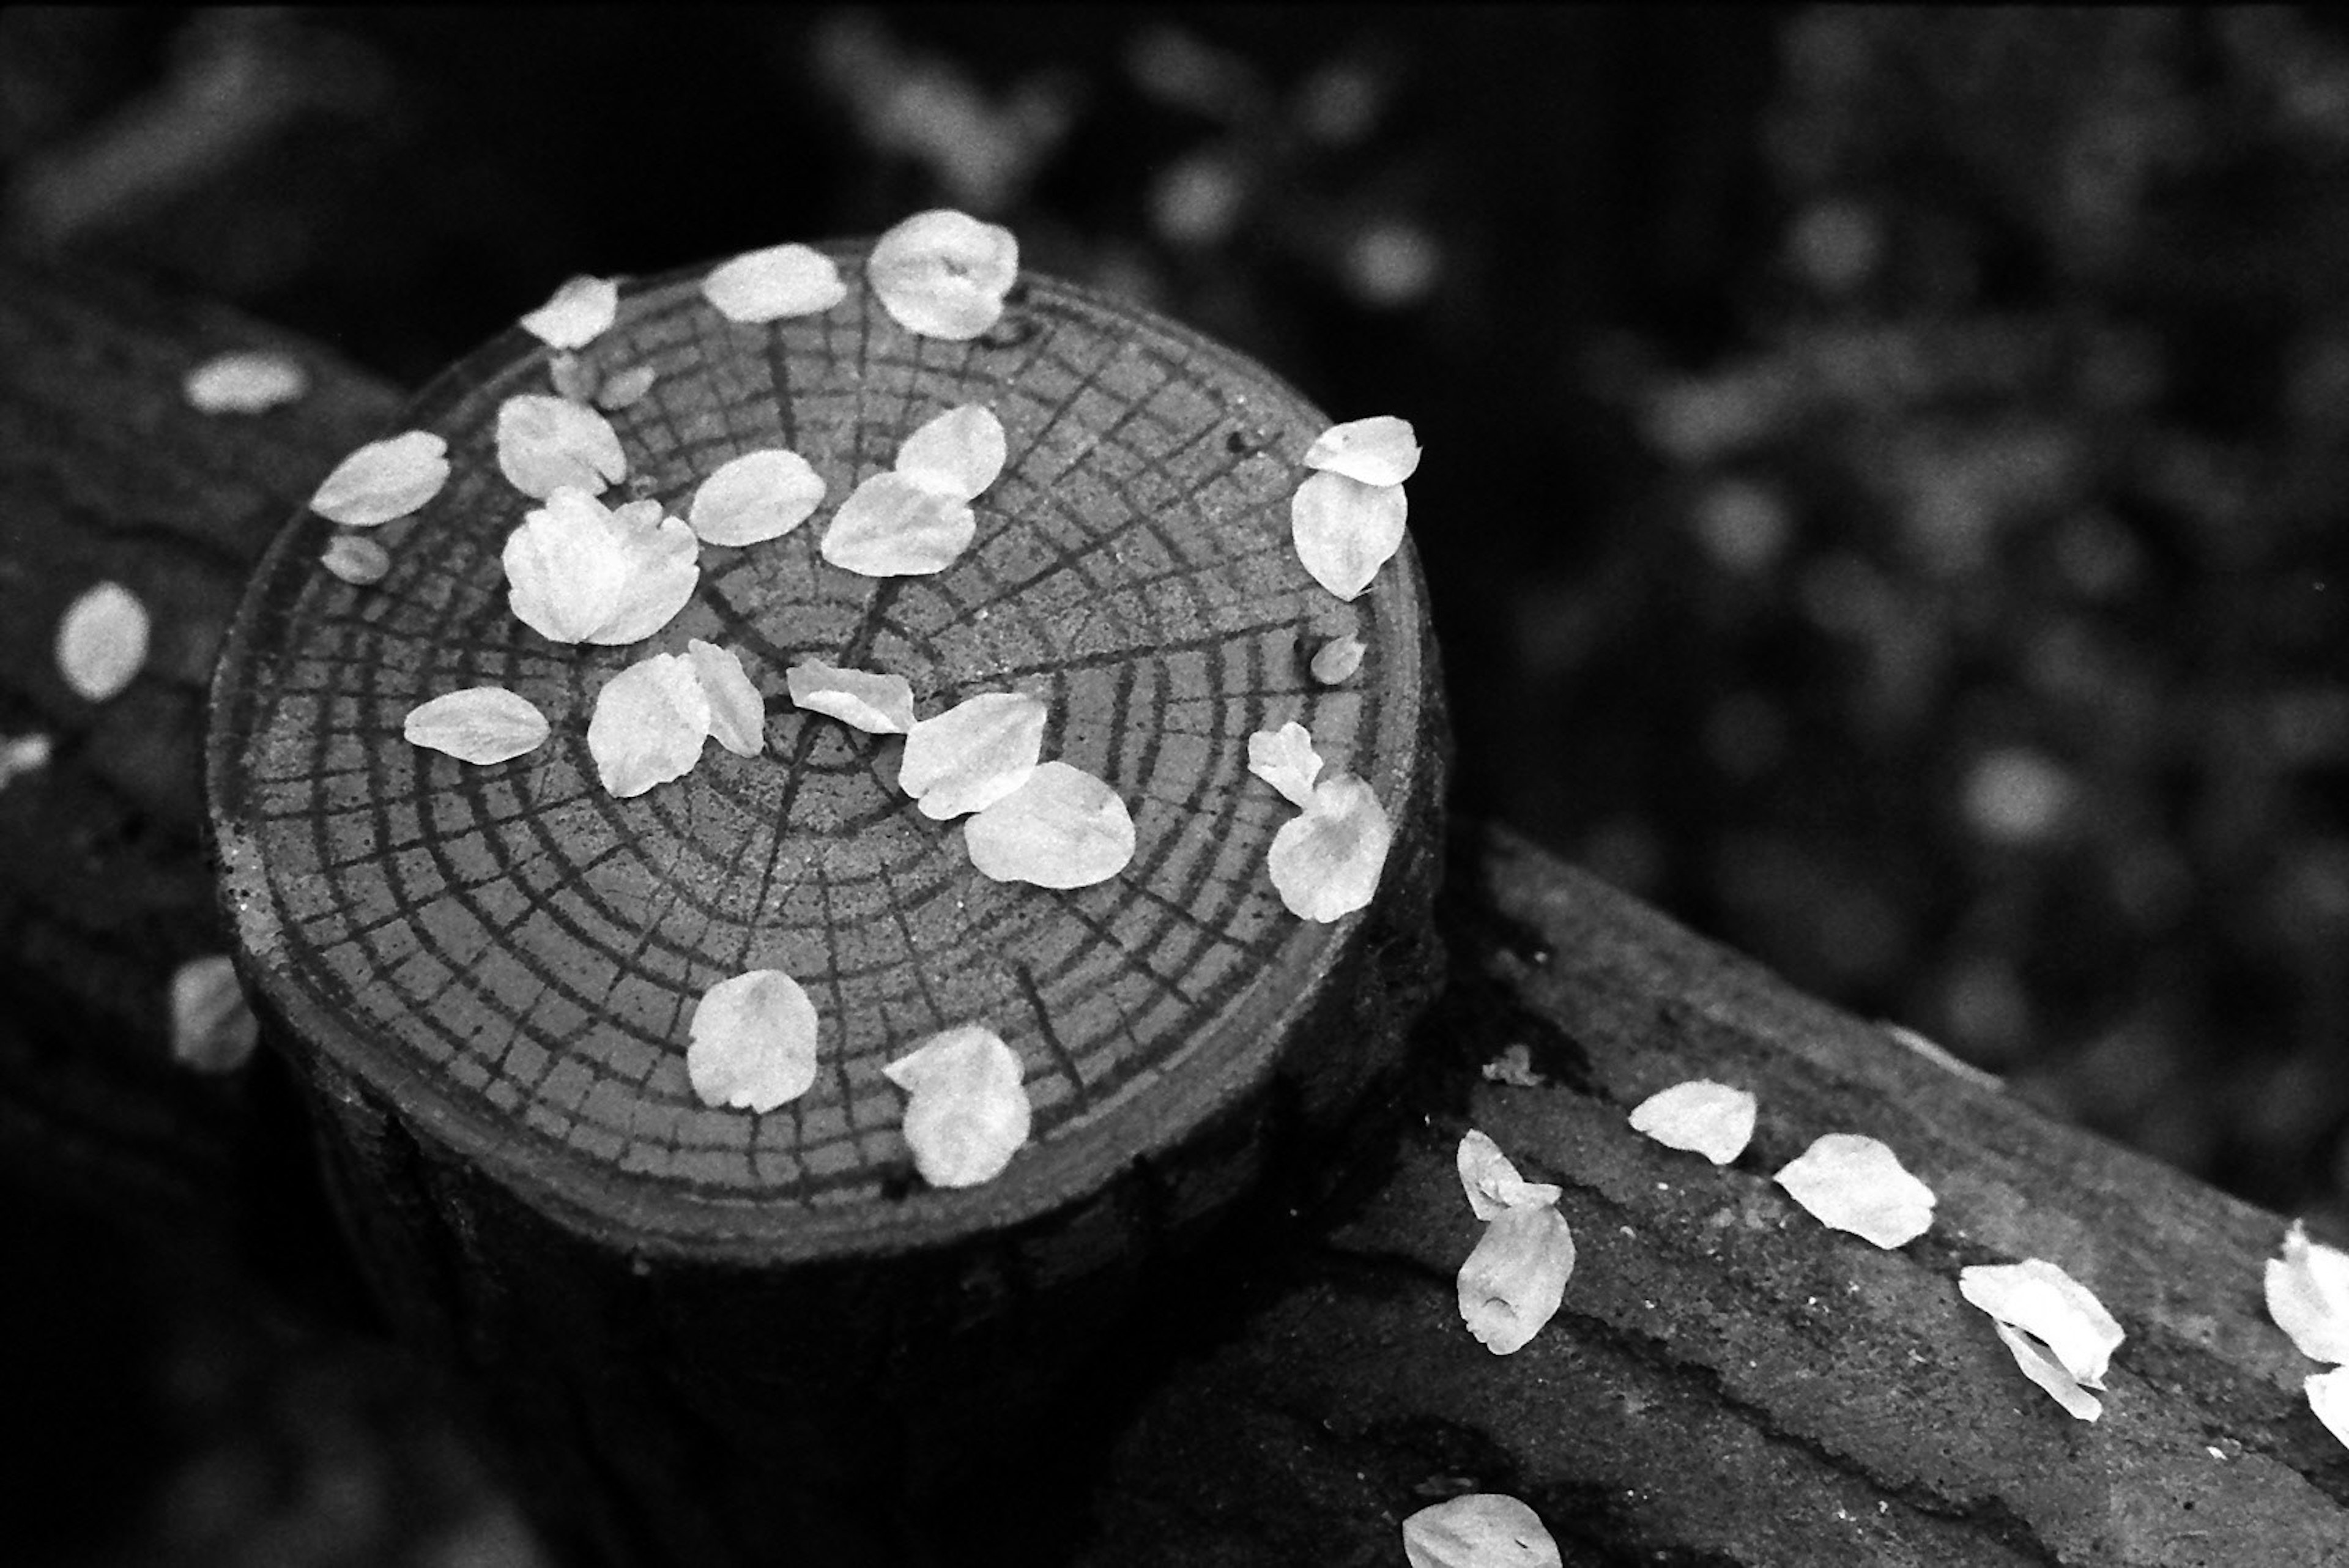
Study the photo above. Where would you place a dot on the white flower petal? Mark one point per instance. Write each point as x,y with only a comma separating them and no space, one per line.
547,443
1345,530
774,283
1854,1183
1339,659
662,565
892,526
2040,1299
1380,450
1482,1529
2328,1395
1514,1067
1060,828
966,1111
629,387
958,454
2049,1374
382,480
944,273
751,1041
650,722
757,496
1511,1284
572,376
738,715
1492,1182
212,1026
479,724
862,698
356,559
22,754
973,754
566,565
102,641
2308,1295
246,383
1285,759
1701,1116
579,313
1325,862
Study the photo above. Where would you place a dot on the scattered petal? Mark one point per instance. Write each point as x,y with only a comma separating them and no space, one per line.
892,526
1514,1067
2328,1395
1854,1183
769,284
579,313
629,387
1339,659
650,722
944,273
1513,1282
1060,828
862,700
1345,530
973,754
2053,1307
1701,1116
481,724
382,480
2049,1374
757,496
578,571
1482,1529
1492,1182
958,454
663,566
1285,759
357,559
2308,1295
738,715
751,1041
1942,1058
572,376
102,641
246,383
966,1110
22,754
547,443
212,1026
1380,450
1325,864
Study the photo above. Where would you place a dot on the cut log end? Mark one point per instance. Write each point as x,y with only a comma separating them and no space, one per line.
511,954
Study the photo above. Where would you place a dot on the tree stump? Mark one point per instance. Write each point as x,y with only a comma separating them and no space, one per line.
746,1337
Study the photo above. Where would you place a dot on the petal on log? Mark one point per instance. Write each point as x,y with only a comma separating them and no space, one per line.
576,315
1511,1284
1325,862
661,567
973,754
752,1041
1345,530
893,526
944,273
757,496
2308,1295
1482,1529
1492,1181
862,698
1285,759
481,724
958,454
1339,659
774,283
650,722
566,565
2038,1298
1383,450
2328,1395
1701,1116
966,1110
382,480
547,443
1060,828
1854,1183
738,715
357,559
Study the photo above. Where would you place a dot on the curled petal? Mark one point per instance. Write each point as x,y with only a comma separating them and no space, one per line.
650,722
1060,828
2308,1295
958,454
772,283
973,754
102,641
1381,451
944,273
382,480
738,715
752,1041
2044,1302
1492,1182
1701,1116
566,566
1856,1184
481,724
2050,1373
757,496
1326,862
546,443
661,568
862,700
1345,530
893,526
966,1110
1285,759
579,313
1511,1284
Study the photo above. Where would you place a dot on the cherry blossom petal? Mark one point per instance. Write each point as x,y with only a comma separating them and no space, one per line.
966,1111
479,724
751,1041
650,722
1513,1282
774,283
1854,1183
1326,862
629,387
357,559
757,496
2328,1395
892,526
1060,828
382,480
1701,1116
2308,1295
973,754
2053,1307
1345,530
1482,1529
862,700
1492,1182
102,641
958,454
738,715
662,566
571,377
1380,450
2049,1373
1514,1067
944,273
246,383
22,754
1285,759
212,1026
1339,659
547,443
567,567
576,315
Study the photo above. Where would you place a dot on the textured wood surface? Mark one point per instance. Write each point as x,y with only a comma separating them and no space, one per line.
513,953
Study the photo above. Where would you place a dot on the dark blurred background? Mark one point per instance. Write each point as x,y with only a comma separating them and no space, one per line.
1884,483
